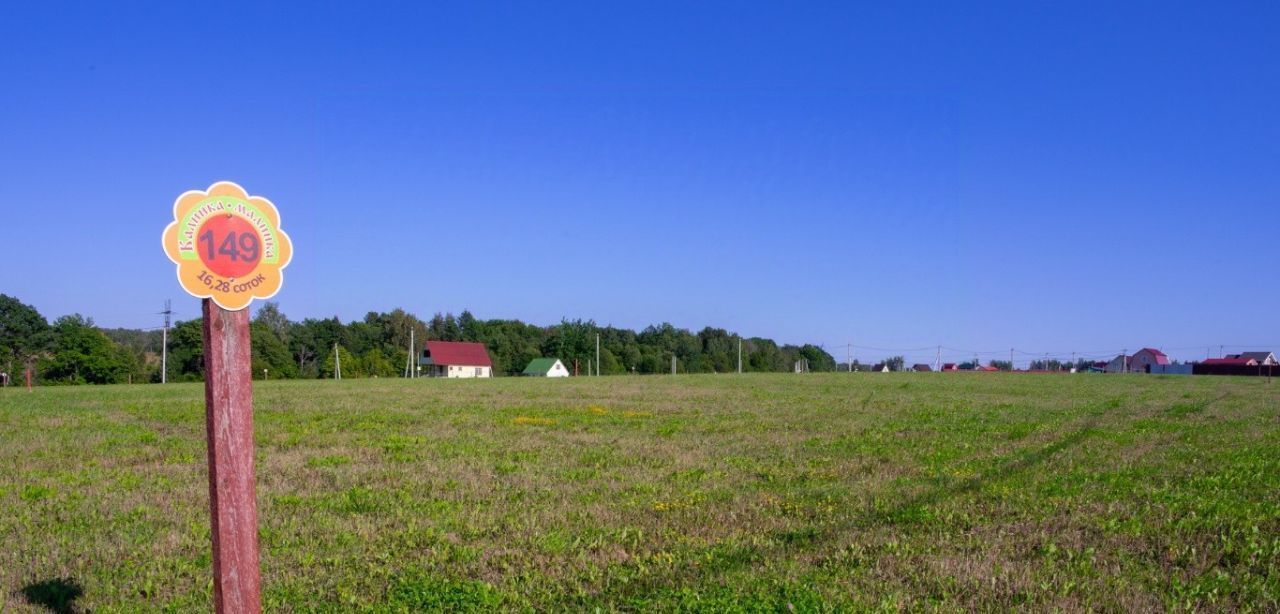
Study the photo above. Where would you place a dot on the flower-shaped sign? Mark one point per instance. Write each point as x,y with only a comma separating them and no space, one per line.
228,245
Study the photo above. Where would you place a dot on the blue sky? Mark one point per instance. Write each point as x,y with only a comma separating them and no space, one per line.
1056,178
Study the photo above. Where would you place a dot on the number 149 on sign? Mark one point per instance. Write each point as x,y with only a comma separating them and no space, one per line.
229,246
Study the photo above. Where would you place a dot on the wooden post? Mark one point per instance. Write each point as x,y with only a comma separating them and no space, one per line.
233,507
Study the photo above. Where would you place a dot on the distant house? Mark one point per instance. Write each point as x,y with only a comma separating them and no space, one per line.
922,368
1119,364
1144,359
1263,358
950,366
545,367
456,359
881,368
1239,361
987,368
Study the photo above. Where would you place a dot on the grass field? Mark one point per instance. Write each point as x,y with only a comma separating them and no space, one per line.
758,492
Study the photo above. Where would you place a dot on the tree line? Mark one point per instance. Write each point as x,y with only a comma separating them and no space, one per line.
72,350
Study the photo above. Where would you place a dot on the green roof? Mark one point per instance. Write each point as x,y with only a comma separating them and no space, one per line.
539,366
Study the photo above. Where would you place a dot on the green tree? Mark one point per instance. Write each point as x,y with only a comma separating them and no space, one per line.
186,352
350,366
764,355
398,323
377,345
375,364
303,348
572,340
444,328
84,354
511,343
143,348
270,316
313,340
467,327
719,350
820,360
24,335
270,353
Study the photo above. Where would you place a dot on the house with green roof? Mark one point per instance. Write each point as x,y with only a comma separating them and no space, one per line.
545,367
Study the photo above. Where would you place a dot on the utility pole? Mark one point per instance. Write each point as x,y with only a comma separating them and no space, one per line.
597,353
337,362
739,354
849,356
1124,360
937,361
164,343
1010,359
673,364
408,360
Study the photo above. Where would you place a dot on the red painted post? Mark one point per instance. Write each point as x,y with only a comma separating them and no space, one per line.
233,506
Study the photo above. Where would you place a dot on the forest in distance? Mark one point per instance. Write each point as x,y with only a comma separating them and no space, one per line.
72,350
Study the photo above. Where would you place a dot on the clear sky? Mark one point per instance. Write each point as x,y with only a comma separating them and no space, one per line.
1080,177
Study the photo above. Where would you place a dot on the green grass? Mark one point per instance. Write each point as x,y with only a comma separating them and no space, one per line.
823,492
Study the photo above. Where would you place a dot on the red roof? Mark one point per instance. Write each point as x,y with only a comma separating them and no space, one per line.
458,353
1248,362
1160,357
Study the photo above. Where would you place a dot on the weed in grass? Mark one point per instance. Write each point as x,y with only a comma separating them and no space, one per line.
333,460
421,592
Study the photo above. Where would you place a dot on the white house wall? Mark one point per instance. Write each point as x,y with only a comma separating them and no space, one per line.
464,372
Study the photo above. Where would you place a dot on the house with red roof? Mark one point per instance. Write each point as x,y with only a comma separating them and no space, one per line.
456,359
1263,358
1144,359
1237,361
